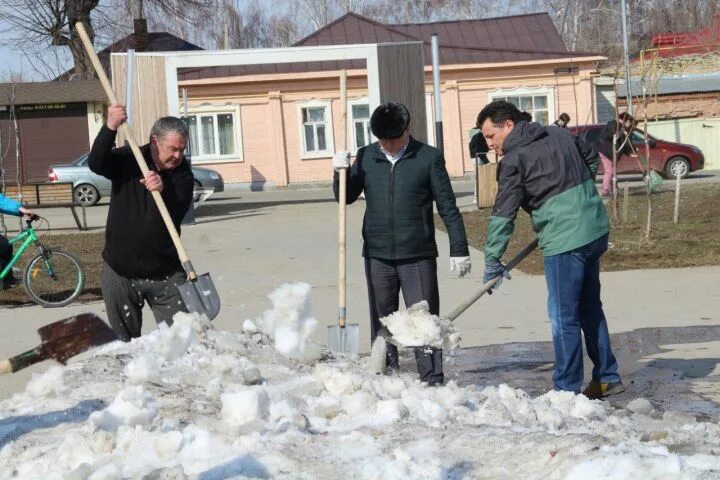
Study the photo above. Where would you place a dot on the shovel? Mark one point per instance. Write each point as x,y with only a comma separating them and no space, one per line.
62,340
343,338
487,287
198,292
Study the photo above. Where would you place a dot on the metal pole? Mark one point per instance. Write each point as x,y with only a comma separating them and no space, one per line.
129,85
189,218
626,57
436,93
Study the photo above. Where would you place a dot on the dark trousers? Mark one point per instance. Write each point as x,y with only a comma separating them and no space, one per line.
125,298
417,278
6,254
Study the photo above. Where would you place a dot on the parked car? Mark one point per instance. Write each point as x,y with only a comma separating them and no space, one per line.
667,158
90,188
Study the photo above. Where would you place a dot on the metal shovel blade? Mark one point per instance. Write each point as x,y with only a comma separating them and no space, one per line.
200,296
344,339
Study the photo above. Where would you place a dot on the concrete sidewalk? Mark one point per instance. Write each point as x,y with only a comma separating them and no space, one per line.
254,242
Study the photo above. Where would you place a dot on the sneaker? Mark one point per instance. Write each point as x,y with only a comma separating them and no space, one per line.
597,390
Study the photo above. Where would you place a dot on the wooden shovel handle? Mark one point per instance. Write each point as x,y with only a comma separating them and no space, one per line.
135,149
342,200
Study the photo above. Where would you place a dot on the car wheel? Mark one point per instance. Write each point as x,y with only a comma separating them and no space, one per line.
677,167
196,194
86,194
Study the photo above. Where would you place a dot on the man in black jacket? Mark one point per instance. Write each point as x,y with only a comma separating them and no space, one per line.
140,261
401,177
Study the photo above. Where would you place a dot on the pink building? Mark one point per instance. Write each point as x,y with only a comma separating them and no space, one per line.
279,124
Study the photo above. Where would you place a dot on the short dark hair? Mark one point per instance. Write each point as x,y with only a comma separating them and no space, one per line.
526,116
625,116
565,117
498,111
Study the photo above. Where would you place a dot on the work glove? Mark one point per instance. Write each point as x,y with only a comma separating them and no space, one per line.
460,265
341,160
493,270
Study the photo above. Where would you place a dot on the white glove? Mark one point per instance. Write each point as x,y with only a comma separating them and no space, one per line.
460,265
341,160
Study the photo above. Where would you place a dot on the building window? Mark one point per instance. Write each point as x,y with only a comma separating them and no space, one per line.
214,135
316,129
360,122
537,102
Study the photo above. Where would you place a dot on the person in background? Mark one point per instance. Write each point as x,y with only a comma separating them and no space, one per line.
551,175
526,116
621,128
140,261
562,120
402,178
9,206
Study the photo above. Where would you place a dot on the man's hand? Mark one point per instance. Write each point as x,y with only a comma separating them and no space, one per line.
116,116
341,160
494,270
460,265
153,182
28,214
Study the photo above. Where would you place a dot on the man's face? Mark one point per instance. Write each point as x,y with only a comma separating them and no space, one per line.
168,151
495,135
393,145
628,124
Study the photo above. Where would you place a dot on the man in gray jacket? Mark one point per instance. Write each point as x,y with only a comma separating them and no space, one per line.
401,178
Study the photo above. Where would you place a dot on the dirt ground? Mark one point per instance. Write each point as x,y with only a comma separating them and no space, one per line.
694,241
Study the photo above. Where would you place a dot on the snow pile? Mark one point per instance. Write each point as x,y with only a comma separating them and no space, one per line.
132,406
231,406
290,322
417,327
46,384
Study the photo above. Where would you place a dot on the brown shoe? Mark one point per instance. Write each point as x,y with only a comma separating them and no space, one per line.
597,390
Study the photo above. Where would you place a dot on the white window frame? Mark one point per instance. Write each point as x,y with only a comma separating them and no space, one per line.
237,130
351,123
329,130
549,92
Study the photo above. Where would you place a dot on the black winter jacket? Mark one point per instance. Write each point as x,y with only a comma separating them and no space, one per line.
398,221
137,243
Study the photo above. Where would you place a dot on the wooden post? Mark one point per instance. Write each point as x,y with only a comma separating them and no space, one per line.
626,198
487,182
676,217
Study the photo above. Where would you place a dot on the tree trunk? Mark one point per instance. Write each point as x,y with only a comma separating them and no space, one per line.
79,11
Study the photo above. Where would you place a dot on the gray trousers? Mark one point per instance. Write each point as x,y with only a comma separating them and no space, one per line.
125,298
417,278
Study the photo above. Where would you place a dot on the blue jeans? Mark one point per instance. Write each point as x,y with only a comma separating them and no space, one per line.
573,281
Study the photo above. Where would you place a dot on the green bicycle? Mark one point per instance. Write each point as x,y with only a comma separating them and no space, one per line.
52,278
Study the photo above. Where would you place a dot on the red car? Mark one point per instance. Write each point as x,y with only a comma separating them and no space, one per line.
667,158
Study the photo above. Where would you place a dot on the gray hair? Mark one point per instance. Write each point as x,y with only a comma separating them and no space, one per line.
167,125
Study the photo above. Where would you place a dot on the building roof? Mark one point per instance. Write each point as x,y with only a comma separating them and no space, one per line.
672,85
489,40
38,93
157,42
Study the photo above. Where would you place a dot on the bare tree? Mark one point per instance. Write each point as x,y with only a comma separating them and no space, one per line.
36,24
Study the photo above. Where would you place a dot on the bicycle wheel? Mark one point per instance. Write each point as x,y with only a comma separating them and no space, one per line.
53,278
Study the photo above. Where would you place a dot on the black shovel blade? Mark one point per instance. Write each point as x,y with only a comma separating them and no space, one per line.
200,296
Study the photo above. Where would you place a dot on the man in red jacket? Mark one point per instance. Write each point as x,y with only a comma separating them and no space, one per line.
140,261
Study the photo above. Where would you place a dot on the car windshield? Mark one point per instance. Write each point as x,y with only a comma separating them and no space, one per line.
639,137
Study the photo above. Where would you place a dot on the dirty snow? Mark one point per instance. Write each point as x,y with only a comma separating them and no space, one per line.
416,326
231,406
